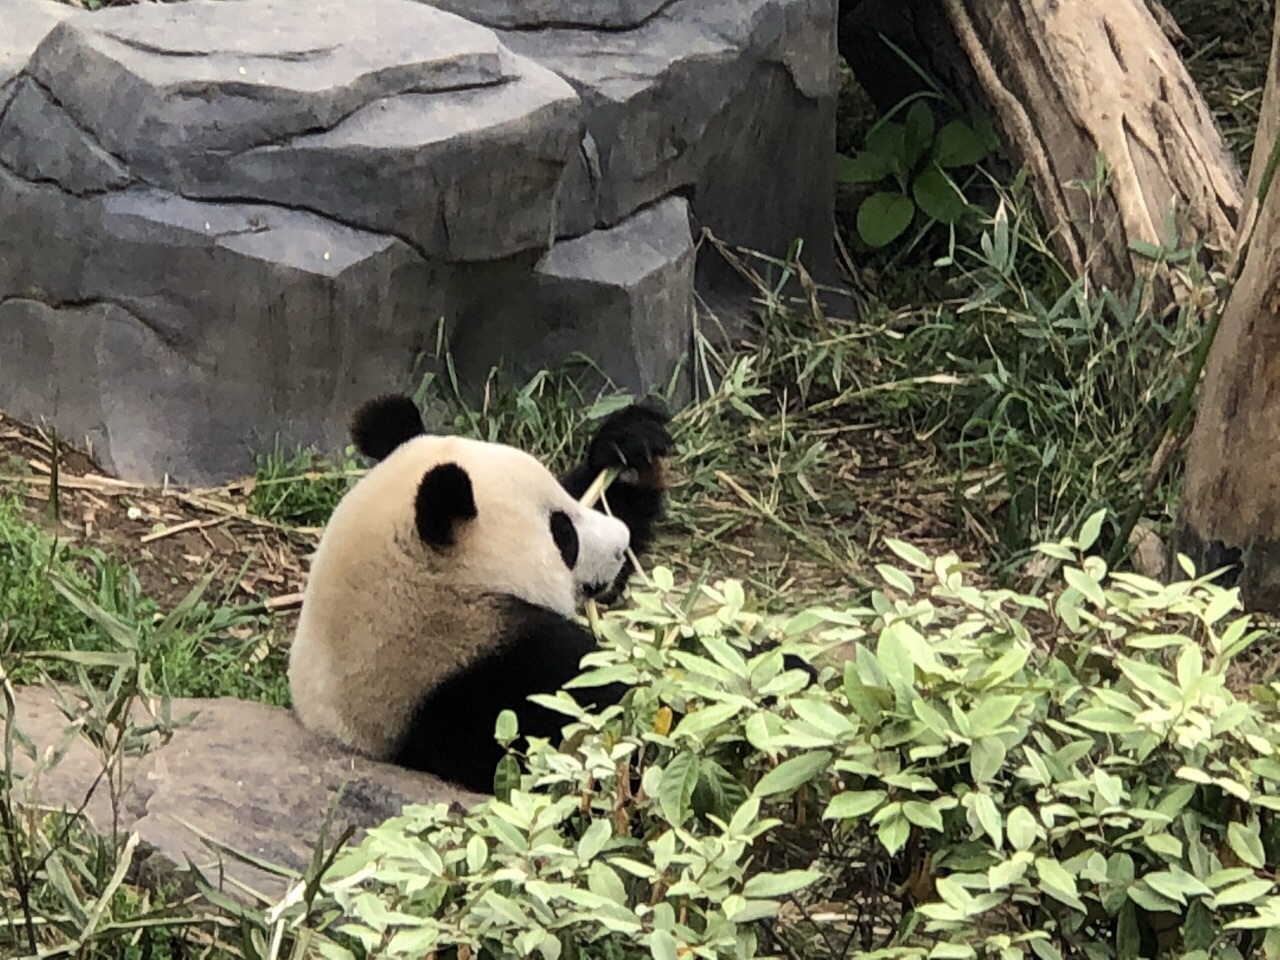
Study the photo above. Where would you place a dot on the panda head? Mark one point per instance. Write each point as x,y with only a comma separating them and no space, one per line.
479,515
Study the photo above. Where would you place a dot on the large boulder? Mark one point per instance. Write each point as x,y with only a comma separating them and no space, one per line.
227,221
247,775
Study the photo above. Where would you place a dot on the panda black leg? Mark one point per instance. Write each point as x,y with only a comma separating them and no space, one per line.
538,652
634,438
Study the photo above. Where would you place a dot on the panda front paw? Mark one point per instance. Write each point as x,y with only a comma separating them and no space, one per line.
631,439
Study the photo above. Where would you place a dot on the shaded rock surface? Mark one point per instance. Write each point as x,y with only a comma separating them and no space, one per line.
244,773
26,22
230,222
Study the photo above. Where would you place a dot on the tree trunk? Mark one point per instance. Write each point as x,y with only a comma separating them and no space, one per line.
1064,81
1264,137
1101,75
1230,510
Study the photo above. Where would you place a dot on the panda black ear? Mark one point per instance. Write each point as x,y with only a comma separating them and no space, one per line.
444,500
383,423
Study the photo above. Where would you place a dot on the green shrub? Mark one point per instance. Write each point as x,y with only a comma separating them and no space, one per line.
988,773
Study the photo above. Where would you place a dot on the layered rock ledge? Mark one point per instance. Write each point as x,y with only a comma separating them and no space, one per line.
229,777
223,221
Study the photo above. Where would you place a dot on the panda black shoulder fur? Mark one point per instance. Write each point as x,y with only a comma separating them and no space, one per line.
445,584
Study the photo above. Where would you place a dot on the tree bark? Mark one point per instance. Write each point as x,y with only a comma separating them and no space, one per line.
1101,75
1064,81
1268,128
1230,509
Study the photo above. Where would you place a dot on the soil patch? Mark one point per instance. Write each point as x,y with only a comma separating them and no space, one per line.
171,538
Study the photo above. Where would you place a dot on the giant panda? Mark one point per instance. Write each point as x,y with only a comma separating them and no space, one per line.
446,582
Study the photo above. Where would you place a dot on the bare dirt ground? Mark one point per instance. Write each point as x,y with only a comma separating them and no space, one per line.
170,538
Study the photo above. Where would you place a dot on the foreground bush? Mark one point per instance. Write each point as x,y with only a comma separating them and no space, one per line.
985,774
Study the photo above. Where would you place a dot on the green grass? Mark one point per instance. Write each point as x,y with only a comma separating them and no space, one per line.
212,649
297,488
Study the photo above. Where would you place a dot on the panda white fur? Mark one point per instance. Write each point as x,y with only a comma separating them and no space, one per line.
444,587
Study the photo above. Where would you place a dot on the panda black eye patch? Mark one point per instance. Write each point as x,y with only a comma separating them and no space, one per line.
565,534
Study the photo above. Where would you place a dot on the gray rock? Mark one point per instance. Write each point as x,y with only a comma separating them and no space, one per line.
246,774
40,142
732,100
622,297
228,223
173,335
165,84
469,175
533,14
376,121
26,22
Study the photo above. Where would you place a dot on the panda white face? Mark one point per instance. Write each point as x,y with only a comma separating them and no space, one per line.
592,545
494,518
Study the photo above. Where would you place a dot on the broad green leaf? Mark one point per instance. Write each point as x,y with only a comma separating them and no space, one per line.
862,167
1010,662
1090,529
506,778
899,668
991,714
896,578
506,728
1190,666
1021,828
989,816
770,885
594,839
986,758
679,778
1104,720
1228,876
1128,933
916,646
1008,872
1164,845
823,716
917,132
603,881
789,775
937,196
1176,886
1150,678
911,554
1053,874
932,719
663,946
922,815
1246,844
1089,587
1246,892
757,732
694,725
957,145
478,851
888,138
1199,930
944,950
853,803
893,833
1151,901
883,217
1221,604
